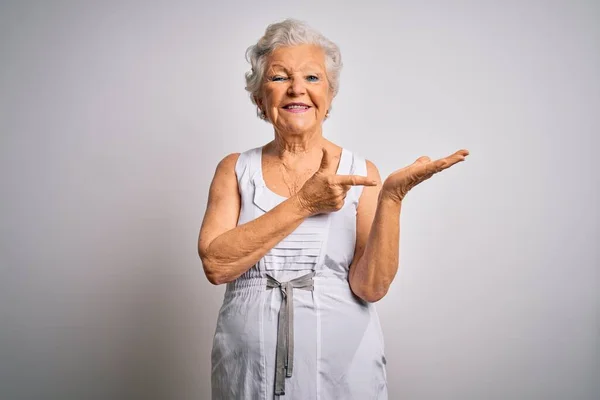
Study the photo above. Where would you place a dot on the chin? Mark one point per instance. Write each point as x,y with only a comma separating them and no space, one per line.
299,129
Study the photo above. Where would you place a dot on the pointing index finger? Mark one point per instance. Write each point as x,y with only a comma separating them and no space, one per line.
355,180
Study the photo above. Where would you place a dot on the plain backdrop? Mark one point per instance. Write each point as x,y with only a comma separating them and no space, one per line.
114,115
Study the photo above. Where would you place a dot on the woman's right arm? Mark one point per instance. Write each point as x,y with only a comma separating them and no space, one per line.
228,250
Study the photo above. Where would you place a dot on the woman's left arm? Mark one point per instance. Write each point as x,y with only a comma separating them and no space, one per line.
376,254
378,224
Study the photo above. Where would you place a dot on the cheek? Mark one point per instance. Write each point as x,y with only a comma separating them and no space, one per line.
321,97
270,96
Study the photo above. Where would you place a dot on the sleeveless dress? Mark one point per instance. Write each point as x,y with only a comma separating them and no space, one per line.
290,328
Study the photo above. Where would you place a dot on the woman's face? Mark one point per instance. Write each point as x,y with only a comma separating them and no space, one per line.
295,91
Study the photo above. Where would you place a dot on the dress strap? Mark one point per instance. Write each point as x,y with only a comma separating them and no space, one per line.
345,162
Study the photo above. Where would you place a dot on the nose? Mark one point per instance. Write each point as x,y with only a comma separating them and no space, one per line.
296,87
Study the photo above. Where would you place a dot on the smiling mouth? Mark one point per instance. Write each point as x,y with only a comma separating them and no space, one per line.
296,108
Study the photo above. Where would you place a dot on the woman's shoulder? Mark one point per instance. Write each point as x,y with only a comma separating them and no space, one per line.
235,158
229,161
238,163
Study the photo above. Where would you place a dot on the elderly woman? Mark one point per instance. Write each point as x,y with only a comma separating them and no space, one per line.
306,237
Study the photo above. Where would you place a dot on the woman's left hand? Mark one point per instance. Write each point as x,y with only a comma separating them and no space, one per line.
397,185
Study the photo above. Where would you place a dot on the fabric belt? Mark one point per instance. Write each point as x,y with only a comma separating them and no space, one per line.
285,326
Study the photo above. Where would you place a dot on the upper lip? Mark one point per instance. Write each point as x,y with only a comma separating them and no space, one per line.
296,104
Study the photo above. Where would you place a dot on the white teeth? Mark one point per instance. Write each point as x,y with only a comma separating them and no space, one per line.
294,106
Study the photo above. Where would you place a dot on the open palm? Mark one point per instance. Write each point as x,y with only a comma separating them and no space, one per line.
399,182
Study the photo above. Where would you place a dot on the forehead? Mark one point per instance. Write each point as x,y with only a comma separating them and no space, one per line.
297,57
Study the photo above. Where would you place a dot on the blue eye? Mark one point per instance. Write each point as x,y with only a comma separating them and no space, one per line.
277,78
312,78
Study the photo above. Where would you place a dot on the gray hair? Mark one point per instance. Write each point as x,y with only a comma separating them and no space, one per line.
290,32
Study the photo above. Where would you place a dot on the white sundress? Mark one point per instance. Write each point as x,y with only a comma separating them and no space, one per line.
290,328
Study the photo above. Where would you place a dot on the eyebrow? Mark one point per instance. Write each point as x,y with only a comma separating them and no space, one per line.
306,66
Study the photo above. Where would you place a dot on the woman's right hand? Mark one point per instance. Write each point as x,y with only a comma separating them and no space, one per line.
325,191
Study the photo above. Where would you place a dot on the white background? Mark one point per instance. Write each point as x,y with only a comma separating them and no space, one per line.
114,115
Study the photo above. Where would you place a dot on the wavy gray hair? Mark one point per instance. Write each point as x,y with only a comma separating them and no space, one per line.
290,32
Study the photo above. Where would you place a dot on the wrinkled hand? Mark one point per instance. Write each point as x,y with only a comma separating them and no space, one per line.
325,191
397,185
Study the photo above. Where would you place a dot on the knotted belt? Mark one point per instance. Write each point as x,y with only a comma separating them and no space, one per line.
285,326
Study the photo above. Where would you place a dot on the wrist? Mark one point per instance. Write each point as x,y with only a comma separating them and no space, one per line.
299,207
389,197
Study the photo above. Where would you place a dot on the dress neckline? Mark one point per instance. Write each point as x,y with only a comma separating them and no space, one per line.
262,178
